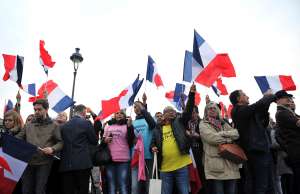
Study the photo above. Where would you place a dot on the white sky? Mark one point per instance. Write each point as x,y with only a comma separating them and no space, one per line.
262,37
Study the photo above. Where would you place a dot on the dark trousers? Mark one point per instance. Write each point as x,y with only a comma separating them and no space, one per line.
287,184
76,181
35,178
296,170
54,180
224,186
260,166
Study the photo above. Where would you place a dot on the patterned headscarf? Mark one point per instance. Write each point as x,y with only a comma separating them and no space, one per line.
216,122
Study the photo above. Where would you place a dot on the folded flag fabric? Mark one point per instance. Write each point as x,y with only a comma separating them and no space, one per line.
8,106
214,65
138,158
13,65
219,88
276,83
195,181
152,73
191,68
58,100
123,100
45,58
180,92
14,157
29,89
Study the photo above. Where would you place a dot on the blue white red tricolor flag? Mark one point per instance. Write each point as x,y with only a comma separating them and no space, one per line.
219,88
191,68
152,73
29,89
276,83
58,100
214,65
8,106
13,65
123,100
45,58
14,157
180,91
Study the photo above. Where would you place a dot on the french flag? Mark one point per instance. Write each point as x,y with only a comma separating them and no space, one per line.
214,65
219,88
29,89
152,74
14,157
191,68
57,99
13,65
45,58
175,96
276,83
123,100
8,106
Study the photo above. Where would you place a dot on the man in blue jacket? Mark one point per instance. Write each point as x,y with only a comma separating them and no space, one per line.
77,134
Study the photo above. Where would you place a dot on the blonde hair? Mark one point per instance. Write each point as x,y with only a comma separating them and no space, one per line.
18,121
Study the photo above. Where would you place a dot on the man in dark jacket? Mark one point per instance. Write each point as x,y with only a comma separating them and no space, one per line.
289,131
172,145
252,121
77,134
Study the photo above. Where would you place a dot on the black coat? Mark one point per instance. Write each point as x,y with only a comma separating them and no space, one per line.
179,126
289,132
252,122
77,135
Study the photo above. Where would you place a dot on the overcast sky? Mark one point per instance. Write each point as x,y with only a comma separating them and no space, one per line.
262,37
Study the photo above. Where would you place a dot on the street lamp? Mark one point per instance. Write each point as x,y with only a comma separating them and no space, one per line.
76,58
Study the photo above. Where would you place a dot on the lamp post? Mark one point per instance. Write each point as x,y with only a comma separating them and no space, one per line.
76,58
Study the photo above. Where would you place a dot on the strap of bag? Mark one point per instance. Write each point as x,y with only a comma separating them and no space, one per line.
154,168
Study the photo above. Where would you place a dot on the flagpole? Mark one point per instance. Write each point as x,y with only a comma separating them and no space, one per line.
4,108
54,156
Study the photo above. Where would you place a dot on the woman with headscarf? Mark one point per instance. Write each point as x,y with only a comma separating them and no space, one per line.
214,131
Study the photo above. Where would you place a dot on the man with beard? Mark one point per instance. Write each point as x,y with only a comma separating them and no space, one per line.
45,134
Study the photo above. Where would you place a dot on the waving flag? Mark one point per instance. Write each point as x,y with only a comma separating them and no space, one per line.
8,106
29,89
45,58
123,100
14,157
58,100
175,96
191,68
276,83
13,65
152,74
219,88
214,65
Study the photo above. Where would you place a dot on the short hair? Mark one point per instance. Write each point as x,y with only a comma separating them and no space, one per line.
168,108
234,97
18,121
79,108
43,102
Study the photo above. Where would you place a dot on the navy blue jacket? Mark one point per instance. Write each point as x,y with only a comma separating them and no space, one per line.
77,135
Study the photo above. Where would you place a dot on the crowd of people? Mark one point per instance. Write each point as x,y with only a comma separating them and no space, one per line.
64,164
